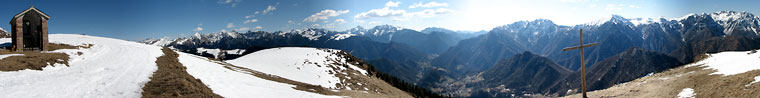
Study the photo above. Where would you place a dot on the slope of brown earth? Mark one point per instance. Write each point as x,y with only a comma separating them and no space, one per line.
172,80
36,60
669,83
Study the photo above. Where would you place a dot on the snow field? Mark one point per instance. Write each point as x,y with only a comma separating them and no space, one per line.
232,84
110,68
307,65
686,93
731,62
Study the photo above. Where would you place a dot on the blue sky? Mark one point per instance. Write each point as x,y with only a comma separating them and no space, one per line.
140,19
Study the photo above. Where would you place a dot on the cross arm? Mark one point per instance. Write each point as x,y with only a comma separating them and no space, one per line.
580,46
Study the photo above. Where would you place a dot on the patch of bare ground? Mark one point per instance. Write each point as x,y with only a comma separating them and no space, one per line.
36,60
353,83
669,83
172,80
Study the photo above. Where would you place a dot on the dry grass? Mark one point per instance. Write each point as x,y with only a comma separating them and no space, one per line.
670,83
171,80
36,60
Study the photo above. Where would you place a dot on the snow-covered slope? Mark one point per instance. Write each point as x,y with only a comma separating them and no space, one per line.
289,72
731,62
110,68
119,68
308,65
232,84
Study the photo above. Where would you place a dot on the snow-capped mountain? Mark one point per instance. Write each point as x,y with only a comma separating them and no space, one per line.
429,43
614,33
738,23
159,41
381,33
614,19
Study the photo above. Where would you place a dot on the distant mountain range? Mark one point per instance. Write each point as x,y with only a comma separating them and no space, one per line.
475,64
400,50
614,35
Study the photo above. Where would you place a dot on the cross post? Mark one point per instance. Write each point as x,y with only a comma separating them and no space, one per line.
583,65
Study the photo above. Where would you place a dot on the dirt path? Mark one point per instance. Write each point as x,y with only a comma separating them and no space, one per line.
172,80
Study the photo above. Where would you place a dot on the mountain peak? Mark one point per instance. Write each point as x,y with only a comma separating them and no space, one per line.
532,24
612,18
387,27
617,17
724,16
197,35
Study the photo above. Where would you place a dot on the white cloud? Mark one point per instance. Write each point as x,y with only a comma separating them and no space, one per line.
198,29
392,4
374,22
270,8
384,12
614,7
429,4
291,22
398,19
258,27
224,1
339,21
432,12
359,21
324,14
232,3
230,25
250,21
633,6
315,25
388,12
223,30
243,29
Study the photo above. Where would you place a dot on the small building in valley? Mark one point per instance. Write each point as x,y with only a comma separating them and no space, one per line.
29,30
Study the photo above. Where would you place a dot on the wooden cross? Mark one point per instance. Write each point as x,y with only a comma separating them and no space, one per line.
583,65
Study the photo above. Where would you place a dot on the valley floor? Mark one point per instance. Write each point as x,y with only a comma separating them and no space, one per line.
726,74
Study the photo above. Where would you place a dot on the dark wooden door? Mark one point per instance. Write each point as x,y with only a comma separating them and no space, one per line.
32,31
